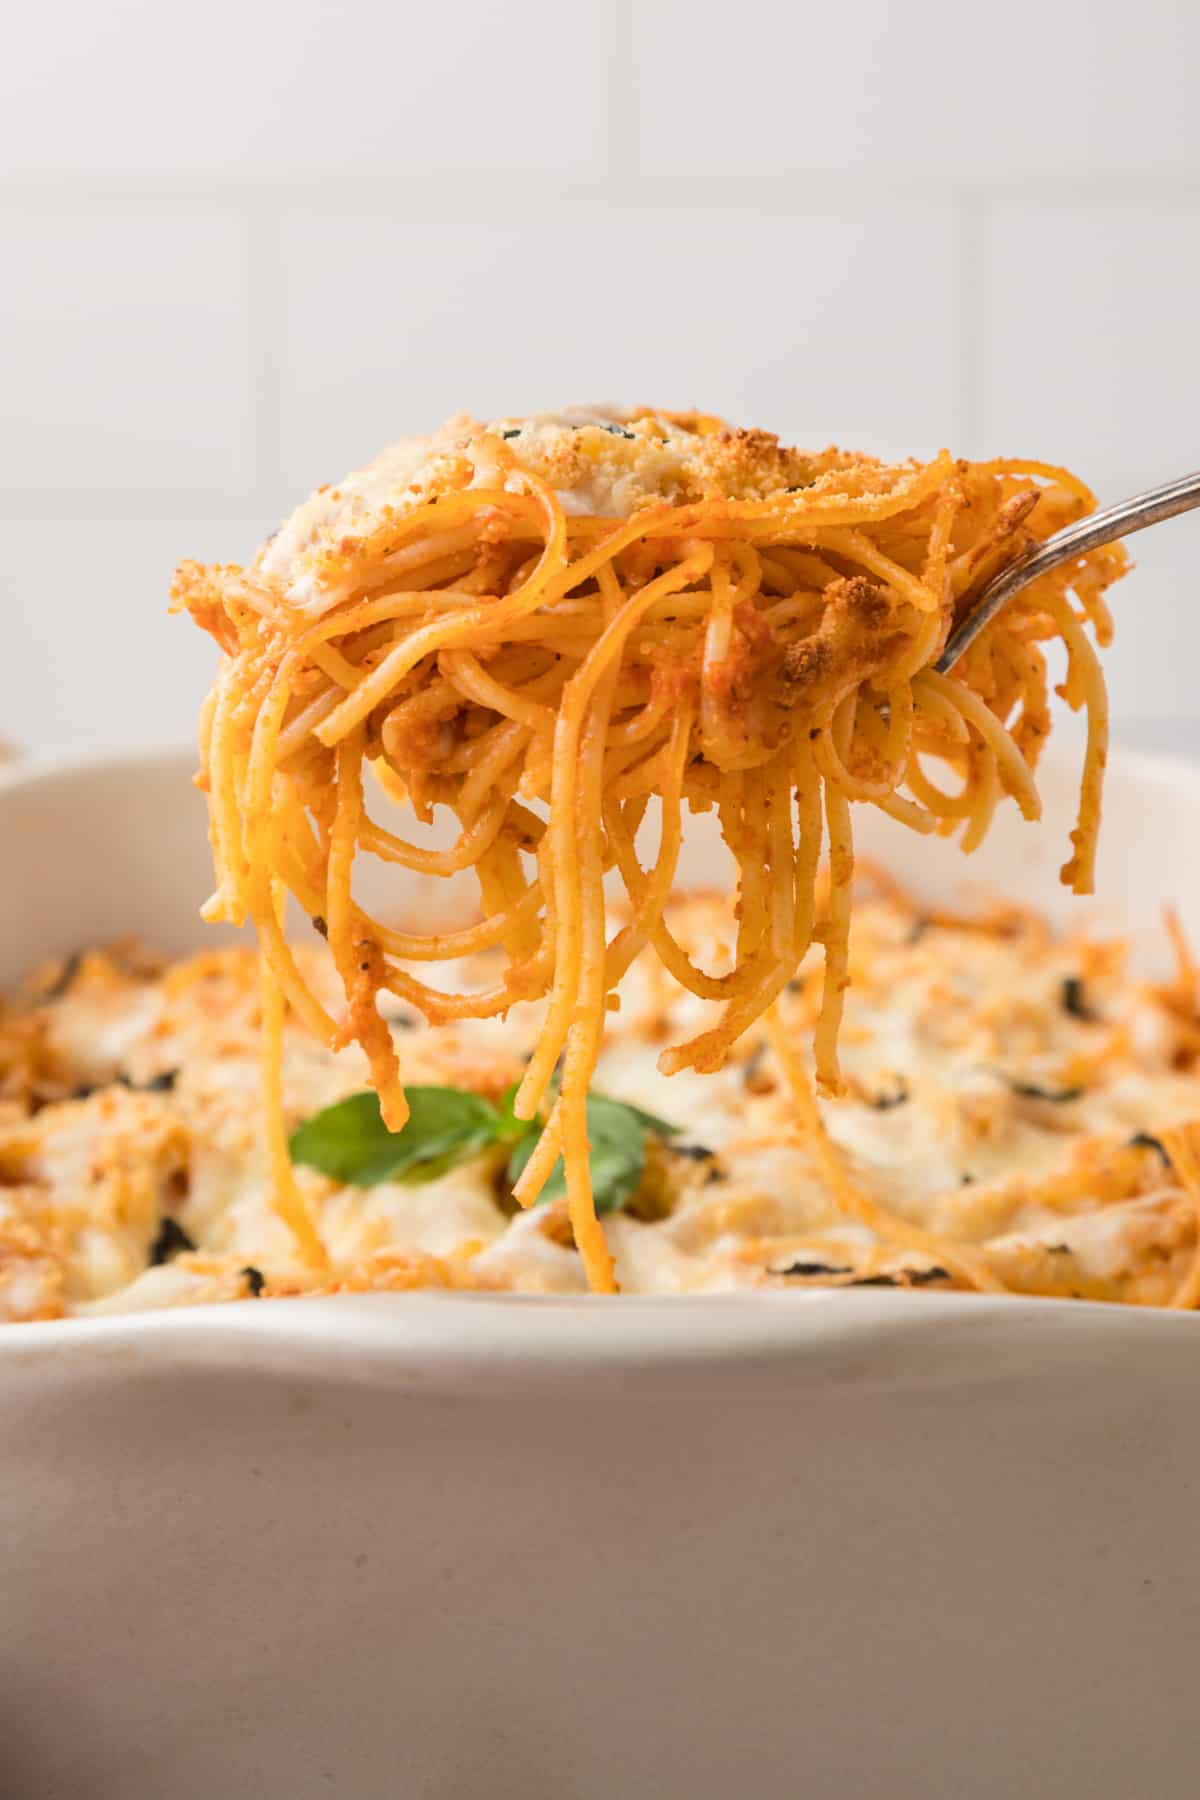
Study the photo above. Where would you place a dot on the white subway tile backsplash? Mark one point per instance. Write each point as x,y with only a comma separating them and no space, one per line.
265,91
244,246
125,350
928,87
1162,736
768,315
1156,612
1149,665
1086,339
102,665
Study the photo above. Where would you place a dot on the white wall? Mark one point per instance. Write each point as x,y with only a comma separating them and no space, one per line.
245,244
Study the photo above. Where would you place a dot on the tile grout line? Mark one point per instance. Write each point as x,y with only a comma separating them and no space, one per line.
136,505
919,190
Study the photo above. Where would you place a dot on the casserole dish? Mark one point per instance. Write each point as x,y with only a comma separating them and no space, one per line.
874,1543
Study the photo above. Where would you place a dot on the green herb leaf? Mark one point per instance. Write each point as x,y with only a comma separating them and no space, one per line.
617,1135
510,1129
651,1121
350,1142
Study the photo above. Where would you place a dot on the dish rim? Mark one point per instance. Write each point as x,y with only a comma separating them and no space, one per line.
492,1340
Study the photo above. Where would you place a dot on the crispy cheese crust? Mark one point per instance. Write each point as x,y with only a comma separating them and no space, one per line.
1005,1092
603,462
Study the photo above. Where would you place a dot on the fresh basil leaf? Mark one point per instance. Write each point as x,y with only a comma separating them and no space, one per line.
617,1136
651,1121
350,1142
510,1129
519,1157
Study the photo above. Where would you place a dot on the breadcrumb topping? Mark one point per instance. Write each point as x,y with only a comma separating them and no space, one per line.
1006,1090
602,461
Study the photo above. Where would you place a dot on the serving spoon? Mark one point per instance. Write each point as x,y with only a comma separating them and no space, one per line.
1163,502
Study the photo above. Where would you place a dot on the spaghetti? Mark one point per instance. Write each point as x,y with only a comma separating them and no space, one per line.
1021,1115
543,626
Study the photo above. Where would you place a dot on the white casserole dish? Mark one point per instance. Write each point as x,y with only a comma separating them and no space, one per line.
862,1543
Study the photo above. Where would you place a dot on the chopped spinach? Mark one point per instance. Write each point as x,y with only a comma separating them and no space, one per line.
1074,1000
885,1102
171,1239
806,1267
65,979
904,1278
1030,1090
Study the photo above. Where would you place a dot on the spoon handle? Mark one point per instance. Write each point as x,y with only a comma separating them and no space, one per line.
1163,502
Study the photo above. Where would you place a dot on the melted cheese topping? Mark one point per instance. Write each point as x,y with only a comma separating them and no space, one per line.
602,461
1004,1092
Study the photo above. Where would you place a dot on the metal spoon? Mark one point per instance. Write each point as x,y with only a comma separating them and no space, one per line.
1177,496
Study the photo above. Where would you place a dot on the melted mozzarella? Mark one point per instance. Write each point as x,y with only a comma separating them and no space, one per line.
970,1088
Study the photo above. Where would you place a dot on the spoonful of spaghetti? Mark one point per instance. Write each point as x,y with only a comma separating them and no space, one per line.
567,630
